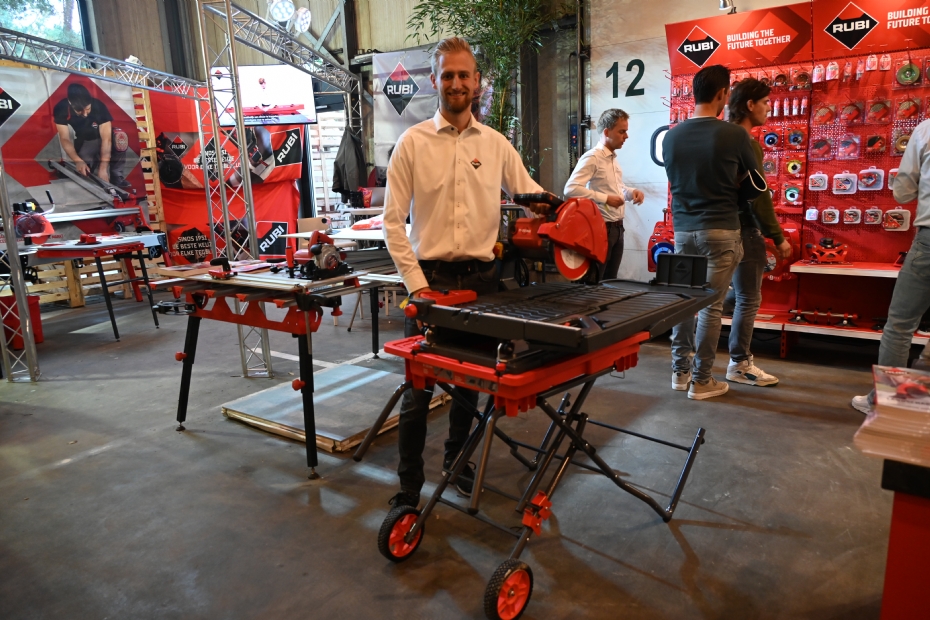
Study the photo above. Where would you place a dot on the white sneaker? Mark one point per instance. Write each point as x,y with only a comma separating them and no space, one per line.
708,389
862,404
680,380
750,374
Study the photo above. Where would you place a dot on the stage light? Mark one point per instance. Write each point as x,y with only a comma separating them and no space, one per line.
301,22
727,5
280,10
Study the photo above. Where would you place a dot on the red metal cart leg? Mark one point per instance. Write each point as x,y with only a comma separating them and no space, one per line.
187,359
305,385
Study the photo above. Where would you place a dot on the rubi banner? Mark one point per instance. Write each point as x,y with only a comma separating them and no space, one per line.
843,28
779,35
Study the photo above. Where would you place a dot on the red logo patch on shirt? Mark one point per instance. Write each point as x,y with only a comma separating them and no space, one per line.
475,163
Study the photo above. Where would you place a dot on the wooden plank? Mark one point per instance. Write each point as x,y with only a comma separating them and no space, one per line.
75,290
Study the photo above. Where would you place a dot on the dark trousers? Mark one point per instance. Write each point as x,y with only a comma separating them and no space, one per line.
611,266
414,407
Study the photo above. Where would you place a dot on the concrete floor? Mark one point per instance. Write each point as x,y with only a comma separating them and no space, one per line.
107,512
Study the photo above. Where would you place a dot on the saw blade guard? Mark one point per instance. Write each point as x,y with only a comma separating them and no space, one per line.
579,227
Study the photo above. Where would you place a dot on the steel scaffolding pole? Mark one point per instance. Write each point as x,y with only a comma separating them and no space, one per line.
16,320
229,170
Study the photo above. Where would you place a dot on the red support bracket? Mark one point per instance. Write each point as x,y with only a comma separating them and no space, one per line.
538,511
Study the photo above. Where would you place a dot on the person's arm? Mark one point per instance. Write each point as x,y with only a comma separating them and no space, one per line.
577,185
106,145
397,199
907,183
64,136
764,209
516,180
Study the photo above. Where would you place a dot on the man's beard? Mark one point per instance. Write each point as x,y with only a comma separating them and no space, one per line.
460,105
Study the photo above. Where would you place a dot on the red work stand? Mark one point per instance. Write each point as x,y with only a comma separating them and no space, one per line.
125,252
510,587
905,594
304,314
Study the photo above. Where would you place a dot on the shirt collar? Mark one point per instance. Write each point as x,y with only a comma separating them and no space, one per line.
441,123
606,151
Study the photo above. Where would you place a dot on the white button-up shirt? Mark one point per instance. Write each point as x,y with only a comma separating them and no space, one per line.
913,180
450,185
596,176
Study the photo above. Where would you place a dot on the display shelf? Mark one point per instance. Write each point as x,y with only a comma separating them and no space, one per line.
862,333
869,270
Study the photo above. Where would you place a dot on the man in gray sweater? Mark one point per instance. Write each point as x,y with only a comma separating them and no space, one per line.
705,160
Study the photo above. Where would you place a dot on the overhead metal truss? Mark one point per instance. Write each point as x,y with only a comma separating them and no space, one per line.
270,39
234,237
43,53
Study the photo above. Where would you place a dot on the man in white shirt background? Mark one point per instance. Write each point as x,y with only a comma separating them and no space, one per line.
598,176
447,174
911,297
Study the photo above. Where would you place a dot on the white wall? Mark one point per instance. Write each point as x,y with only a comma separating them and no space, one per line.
620,31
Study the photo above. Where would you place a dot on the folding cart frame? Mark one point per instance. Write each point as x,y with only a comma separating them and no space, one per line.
510,587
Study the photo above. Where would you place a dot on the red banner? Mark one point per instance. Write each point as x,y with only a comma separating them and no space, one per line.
844,28
779,35
274,159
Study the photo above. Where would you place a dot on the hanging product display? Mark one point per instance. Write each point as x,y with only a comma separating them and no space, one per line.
871,180
817,182
897,220
852,215
844,183
830,215
873,216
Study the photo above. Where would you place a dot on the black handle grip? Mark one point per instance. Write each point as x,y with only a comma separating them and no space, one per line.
545,198
220,261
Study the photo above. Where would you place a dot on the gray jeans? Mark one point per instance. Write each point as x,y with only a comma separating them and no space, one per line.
909,302
747,289
724,250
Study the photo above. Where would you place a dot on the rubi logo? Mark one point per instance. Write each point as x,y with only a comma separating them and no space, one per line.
851,26
400,88
698,47
8,106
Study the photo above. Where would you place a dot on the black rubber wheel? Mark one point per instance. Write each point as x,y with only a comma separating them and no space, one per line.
391,536
509,590
119,227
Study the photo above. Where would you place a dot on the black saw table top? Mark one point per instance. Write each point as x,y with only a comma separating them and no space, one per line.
557,317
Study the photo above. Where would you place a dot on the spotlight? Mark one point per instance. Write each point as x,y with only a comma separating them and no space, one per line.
280,10
301,20
727,5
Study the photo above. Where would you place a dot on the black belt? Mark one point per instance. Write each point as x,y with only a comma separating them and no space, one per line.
457,268
615,223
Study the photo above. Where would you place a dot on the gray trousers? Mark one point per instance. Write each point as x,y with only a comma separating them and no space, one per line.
909,302
724,250
747,289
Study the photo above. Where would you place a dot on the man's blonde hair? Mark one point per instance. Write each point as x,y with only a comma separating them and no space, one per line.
450,46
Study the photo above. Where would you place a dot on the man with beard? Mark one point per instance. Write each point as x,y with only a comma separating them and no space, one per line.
446,174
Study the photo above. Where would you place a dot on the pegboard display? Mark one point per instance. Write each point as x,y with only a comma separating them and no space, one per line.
861,119
850,83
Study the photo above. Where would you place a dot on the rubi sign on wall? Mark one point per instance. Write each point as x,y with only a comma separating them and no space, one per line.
755,38
842,27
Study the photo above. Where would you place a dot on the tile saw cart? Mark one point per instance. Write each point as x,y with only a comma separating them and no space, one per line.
522,348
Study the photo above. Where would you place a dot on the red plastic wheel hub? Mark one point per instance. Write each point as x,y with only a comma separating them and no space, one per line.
398,546
513,595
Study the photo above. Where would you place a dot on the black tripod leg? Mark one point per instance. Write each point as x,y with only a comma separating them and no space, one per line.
187,360
305,355
148,287
106,296
373,295
376,427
